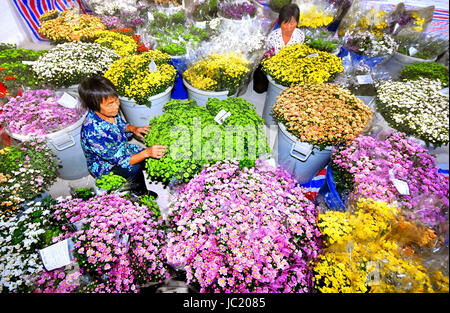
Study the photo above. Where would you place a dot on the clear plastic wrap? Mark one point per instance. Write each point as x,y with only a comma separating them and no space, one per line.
239,9
420,45
315,13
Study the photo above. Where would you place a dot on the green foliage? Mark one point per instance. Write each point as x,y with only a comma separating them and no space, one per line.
276,5
193,144
23,75
84,193
206,10
321,44
428,47
150,202
428,70
111,182
4,46
18,55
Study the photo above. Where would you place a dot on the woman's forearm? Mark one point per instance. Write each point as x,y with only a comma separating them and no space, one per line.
138,157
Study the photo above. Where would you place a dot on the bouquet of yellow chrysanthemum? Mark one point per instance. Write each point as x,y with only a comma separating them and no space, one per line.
218,72
133,78
371,248
299,63
69,26
315,13
122,44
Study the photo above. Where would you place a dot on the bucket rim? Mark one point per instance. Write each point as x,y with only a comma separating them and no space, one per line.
203,92
157,96
274,83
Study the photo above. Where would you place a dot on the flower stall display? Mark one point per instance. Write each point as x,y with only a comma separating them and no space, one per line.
134,79
118,246
67,26
204,10
21,238
123,45
248,230
186,156
431,71
26,171
237,10
371,249
321,114
299,63
218,72
37,113
69,63
368,44
416,107
112,7
395,170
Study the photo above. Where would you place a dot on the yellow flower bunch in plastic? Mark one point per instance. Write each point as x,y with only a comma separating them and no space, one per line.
373,20
71,26
299,63
418,22
133,78
122,44
314,18
366,250
218,72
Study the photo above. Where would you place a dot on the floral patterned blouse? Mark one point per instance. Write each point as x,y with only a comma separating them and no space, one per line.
106,144
275,41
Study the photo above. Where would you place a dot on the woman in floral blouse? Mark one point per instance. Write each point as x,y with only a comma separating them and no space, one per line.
104,136
287,34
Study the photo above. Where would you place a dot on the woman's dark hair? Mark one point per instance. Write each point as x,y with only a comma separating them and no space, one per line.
288,12
93,90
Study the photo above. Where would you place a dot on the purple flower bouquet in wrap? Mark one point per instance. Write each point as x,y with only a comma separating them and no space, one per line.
237,10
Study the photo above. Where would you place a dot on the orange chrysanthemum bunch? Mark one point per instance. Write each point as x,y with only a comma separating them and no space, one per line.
69,26
321,114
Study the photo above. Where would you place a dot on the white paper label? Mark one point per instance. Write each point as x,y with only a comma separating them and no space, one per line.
150,16
68,101
56,256
364,79
402,186
28,62
412,51
152,66
313,55
271,162
444,91
222,116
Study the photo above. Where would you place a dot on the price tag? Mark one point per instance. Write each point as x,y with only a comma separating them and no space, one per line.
152,66
28,62
68,101
313,55
402,186
56,256
364,79
222,116
412,51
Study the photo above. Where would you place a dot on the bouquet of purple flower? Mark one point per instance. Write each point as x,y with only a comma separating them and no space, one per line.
237,10
398,171
248,230
37,113
119,245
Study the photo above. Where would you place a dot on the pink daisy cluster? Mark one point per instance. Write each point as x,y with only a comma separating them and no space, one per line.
37,113
248,230
119,245
376,162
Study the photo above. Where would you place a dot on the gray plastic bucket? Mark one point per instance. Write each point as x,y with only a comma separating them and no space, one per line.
298,158
202,96
139,114
66,145
273,91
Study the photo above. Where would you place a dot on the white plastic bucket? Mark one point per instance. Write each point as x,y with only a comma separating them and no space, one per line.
406,59
66,144
140,114
202,96
298,158
273,91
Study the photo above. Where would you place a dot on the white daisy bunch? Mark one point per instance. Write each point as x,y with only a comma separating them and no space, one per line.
367,43
416,108
112,7
69,63
20,241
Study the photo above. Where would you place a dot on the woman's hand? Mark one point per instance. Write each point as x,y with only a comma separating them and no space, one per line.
156,151
139,131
